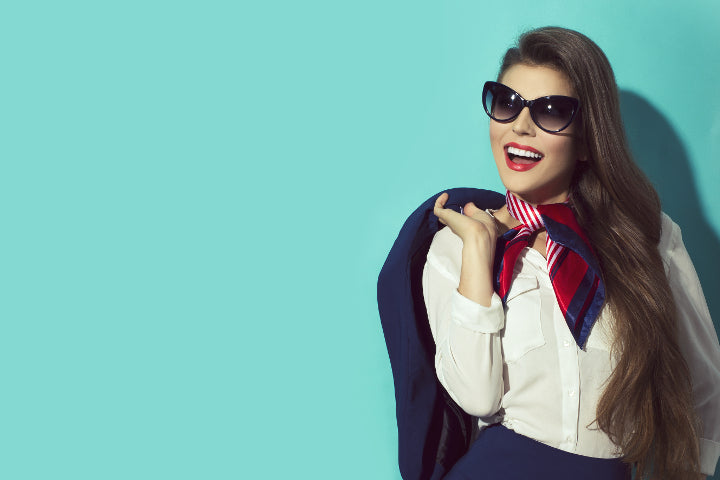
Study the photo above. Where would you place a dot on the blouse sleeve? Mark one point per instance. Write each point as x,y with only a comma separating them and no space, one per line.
468,358
698,341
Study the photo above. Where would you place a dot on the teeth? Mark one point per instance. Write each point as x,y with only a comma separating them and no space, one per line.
523,153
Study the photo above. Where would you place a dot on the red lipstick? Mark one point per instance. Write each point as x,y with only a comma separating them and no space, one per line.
521,167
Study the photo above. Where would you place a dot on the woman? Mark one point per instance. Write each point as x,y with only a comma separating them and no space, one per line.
571,321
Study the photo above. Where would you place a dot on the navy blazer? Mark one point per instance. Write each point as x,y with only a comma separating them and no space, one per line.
433,431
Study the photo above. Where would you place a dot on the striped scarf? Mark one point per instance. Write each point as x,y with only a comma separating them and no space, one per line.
572,264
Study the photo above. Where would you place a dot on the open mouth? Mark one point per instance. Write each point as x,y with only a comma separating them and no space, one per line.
521,157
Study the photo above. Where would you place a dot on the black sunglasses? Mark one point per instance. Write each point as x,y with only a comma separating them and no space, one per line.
552,114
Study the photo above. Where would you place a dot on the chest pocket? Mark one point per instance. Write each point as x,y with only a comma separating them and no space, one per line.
523,329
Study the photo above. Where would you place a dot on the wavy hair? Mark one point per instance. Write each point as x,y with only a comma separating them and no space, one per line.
646,408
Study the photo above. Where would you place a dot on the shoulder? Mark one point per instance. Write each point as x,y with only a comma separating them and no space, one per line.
670,233
670,238
445,253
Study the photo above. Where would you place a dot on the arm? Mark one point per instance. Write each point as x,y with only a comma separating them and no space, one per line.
479,233
699,344
468,358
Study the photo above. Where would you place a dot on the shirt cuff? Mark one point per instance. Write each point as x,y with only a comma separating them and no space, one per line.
476,317
709,454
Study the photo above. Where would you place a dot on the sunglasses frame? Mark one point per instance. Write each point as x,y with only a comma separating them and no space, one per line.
529,103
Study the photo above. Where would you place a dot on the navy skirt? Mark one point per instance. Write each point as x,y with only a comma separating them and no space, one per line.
500,453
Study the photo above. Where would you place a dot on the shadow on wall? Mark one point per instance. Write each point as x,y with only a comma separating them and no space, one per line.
661,155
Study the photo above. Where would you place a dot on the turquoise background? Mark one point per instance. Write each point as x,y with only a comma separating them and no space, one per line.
197,198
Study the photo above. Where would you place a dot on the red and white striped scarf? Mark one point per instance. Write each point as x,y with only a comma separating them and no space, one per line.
572,264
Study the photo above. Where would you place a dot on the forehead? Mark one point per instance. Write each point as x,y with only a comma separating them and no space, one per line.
533,81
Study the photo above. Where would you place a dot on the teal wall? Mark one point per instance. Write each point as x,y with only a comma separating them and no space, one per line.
197,198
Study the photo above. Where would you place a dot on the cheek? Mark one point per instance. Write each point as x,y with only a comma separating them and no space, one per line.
496,133
564,148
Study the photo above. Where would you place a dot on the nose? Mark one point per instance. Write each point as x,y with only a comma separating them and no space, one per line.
523,123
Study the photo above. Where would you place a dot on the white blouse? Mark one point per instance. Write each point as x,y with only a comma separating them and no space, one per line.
521,366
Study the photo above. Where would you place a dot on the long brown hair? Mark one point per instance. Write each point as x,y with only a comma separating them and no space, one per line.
646,407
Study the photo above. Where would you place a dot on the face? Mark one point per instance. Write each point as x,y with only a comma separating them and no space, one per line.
542,171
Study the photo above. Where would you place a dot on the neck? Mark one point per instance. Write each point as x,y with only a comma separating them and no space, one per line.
505,220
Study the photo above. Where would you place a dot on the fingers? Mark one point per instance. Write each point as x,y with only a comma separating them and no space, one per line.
473,223
448,216
481,216
470,209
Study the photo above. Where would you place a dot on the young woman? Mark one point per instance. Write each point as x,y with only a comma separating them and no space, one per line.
571,321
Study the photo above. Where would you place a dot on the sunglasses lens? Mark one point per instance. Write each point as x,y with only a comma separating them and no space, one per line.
501,103
553,113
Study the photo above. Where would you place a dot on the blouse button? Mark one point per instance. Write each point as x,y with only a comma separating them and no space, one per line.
571,393
566,343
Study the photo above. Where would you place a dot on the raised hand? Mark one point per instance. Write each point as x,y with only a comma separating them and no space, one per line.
478,231
472,224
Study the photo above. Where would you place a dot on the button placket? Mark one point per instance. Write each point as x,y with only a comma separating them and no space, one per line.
568,356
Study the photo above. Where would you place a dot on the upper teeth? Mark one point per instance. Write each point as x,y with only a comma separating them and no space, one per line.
523,153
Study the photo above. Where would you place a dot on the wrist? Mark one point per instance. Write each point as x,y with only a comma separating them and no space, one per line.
479,248
476,272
